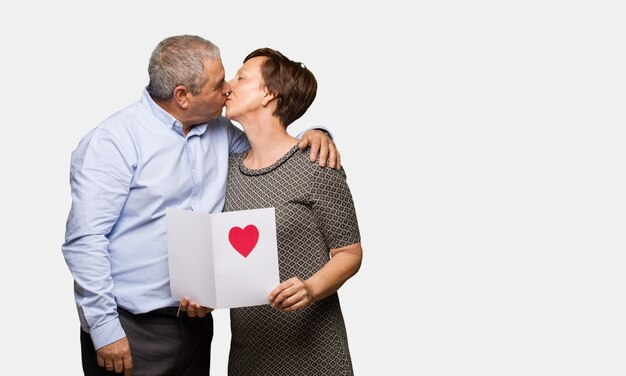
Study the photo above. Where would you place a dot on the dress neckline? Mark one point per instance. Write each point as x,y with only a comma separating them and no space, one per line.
261,171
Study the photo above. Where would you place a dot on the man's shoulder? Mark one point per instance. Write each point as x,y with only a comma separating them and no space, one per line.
127,120
222,129
222,122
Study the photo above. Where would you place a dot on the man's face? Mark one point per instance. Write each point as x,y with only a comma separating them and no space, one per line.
209,103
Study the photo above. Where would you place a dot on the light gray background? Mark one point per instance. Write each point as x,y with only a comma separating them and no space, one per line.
483,142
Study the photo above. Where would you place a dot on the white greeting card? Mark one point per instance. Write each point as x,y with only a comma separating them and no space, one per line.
222,260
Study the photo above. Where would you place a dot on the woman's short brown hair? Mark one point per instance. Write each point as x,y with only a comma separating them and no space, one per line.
291,82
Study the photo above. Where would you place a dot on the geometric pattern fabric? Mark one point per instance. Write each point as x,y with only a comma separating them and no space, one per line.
314,213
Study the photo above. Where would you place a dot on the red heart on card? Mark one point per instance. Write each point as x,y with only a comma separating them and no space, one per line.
244,240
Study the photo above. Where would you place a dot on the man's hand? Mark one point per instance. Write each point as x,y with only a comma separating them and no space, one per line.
193,309
323,145
116,357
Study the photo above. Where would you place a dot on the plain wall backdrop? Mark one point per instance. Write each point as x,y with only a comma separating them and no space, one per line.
483,143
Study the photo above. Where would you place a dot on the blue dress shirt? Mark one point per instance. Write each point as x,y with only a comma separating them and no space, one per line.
123,176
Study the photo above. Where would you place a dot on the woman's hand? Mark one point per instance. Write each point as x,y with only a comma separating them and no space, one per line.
291,295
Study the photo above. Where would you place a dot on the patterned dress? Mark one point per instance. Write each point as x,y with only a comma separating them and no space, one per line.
314,213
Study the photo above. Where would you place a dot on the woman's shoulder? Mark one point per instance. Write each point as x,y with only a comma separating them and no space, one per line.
237,158
304,158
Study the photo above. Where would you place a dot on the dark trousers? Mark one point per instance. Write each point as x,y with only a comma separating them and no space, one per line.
160,344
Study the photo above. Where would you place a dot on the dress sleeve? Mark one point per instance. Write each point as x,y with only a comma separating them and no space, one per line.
334,208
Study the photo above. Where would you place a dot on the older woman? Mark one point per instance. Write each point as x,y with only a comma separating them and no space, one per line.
302,331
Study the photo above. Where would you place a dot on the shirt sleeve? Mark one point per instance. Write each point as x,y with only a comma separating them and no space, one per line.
101,172
318,127
238,139
333,207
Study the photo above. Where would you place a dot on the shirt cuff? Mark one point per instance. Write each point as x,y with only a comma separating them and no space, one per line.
107,333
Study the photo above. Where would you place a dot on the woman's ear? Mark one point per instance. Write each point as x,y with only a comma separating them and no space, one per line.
267,98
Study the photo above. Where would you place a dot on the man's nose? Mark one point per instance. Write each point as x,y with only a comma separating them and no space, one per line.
226,89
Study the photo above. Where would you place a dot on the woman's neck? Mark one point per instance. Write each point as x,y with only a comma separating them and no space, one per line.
269,141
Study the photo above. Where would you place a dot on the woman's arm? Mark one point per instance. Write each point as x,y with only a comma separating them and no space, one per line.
294,294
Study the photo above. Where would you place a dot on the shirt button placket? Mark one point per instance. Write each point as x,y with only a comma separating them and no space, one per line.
191,158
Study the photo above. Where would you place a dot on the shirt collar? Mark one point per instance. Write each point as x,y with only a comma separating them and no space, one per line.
168,120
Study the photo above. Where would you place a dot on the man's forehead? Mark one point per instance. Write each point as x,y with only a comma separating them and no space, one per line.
214,66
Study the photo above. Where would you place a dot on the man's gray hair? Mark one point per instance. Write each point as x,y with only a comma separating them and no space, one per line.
179,60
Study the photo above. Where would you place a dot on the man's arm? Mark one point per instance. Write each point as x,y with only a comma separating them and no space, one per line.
100,177
320,139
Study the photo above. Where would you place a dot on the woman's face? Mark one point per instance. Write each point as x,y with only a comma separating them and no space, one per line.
247,90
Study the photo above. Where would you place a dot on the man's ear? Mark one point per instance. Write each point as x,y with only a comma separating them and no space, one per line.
180,96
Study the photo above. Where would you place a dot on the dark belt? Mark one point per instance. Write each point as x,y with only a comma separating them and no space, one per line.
167,311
